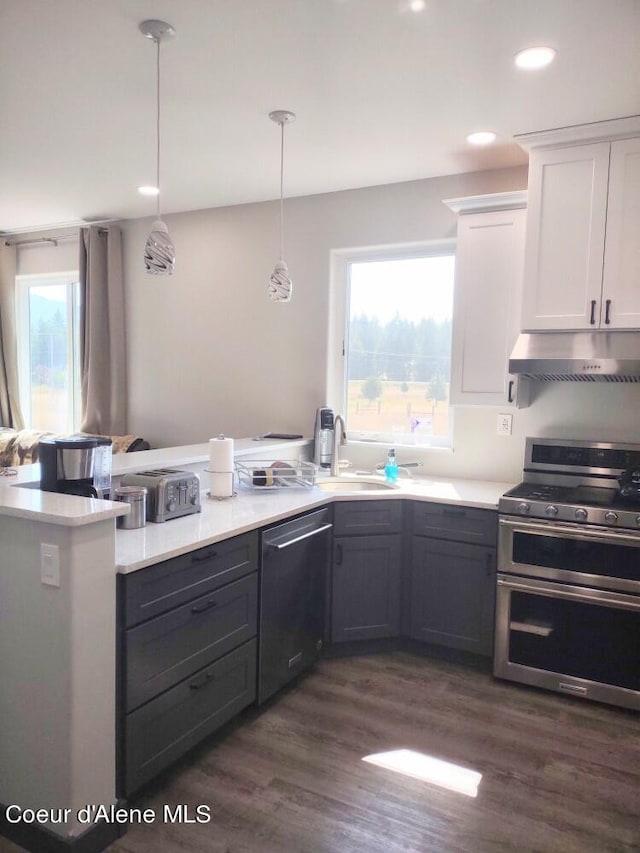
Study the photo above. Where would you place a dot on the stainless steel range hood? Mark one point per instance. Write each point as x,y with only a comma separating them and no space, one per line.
578,356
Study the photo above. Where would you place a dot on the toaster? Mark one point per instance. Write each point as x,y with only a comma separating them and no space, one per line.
171,493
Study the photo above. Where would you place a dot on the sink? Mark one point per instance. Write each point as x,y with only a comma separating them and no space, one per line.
354,484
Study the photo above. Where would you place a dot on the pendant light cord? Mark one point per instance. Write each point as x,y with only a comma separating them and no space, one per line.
281,188
158,128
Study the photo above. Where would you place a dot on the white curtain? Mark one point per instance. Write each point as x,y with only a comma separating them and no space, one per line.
102,332
10,414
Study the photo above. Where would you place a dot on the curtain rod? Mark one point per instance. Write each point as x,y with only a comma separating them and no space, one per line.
54,240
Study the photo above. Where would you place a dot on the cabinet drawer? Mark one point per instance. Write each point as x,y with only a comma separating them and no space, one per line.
366,517
164,729
460,523
170,647
154,590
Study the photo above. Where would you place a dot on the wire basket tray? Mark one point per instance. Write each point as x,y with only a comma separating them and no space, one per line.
282,474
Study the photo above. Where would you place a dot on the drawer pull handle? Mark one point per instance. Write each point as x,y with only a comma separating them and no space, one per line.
205,679
200,558
207,605
454,512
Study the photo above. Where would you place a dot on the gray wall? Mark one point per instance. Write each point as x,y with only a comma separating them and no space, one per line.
208,352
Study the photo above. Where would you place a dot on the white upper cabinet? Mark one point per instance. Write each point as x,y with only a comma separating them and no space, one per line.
621,283
582,256
487,301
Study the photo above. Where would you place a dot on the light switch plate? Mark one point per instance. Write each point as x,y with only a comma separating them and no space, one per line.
49,564
505,422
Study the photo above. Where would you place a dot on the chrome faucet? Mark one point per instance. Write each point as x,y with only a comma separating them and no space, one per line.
342,436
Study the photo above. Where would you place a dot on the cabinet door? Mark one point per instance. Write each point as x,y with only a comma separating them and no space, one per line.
453,594
366,587
565,237
487,307
621,290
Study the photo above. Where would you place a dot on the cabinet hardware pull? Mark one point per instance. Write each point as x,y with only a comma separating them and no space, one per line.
607,309
199,558
489,564
338,554
308,535
593,312
202,608
205,679
510,391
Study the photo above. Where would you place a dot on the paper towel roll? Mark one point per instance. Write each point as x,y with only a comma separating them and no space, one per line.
221,467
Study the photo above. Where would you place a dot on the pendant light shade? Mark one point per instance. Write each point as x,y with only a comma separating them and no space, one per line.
280,285
159,252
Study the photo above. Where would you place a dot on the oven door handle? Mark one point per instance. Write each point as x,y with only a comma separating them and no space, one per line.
571,593
571,531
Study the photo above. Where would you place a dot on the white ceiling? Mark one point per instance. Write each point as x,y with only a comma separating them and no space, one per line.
382,94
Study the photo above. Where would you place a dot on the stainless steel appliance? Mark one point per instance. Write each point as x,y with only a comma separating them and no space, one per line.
568,583
77,465
323,435
171,493
293,583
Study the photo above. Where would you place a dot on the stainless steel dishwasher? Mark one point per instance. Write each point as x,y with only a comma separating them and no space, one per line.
293,578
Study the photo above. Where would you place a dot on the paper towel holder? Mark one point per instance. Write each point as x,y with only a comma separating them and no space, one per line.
221,497
214,471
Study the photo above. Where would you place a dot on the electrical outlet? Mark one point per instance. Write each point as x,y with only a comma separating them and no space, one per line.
505,423
49,565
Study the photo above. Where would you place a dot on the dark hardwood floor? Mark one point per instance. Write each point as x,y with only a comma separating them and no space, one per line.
558,774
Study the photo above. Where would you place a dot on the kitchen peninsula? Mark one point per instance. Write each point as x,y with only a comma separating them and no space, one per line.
57,613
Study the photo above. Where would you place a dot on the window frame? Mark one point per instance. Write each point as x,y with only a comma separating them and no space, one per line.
23,284
338,333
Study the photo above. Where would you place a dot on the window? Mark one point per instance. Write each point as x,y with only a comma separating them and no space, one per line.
397,345
48,314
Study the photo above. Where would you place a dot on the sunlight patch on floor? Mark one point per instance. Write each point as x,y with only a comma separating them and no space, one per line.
429,769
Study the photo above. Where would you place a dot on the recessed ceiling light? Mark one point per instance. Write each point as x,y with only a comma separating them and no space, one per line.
417,5
481,137
148,190
535,57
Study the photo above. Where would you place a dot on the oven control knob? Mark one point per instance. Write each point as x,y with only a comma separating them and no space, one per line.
611,516
551,510
523,508
581,514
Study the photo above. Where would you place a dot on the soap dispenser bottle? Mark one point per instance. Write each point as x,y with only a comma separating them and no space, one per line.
391,468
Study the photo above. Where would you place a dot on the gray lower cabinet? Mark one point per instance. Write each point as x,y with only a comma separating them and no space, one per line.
452,583
187,653
367,570
452,594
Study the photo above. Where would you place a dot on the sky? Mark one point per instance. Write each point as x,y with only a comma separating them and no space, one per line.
414,288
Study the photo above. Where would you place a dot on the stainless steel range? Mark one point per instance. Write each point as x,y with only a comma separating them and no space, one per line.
568,583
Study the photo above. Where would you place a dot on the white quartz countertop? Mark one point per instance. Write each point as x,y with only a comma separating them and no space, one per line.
252,508
20,496
248,510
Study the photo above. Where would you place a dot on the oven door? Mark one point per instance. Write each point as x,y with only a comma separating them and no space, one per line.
572,553
570,639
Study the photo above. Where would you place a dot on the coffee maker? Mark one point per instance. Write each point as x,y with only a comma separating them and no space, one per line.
323,437
78,465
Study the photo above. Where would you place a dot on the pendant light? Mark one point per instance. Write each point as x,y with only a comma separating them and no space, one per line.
159,253
280,285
